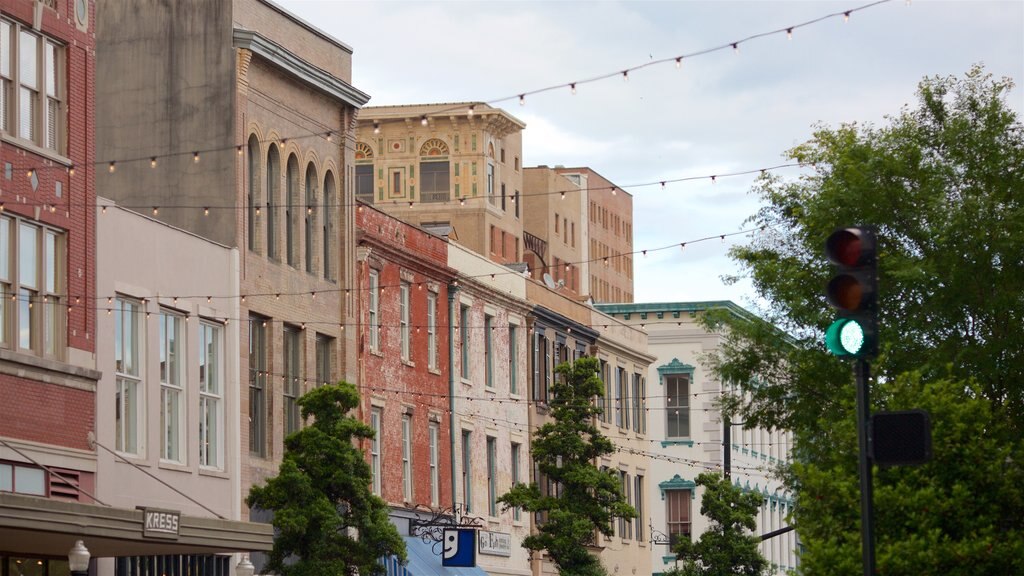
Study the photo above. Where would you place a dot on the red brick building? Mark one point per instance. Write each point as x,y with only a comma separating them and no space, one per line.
47,259
403,358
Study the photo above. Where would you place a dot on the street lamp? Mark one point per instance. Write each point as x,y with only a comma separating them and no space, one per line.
244,567
78,559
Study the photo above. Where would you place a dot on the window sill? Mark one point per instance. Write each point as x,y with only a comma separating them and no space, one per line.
491,389
36,149
667,443
408,363
132,459
39,368
434,371
377,352
214,472
172,465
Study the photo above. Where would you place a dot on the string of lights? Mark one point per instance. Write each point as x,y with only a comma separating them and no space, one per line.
520,96
383,288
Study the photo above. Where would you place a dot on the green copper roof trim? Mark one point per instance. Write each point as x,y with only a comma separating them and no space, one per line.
675,367
678,483
673,307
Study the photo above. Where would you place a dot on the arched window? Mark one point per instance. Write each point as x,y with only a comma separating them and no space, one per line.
434,171
311,214
273,198
330,209
364,172
291,212
252,193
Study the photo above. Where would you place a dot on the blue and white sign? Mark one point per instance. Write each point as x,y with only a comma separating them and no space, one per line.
458,548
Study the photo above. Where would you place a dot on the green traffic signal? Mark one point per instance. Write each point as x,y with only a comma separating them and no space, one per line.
845,337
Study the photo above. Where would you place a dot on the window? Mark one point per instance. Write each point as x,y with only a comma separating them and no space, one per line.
211,408
292,377
516,512
467,477
607,415
407,457
396,183
515,200
35,65
32,282
619,397
252,200
638,505
258,357
273,198
489,350
311,199
434,181
432,331
677,514
434,431
677,400
129,413
374,310
22,479
403,319
503,196
364,183
291,212
324,346
464,339
490,183
330,209
626,524
375,423
638,401
172,351
513,359
492,473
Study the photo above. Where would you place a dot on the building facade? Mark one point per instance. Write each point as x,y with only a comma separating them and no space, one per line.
687,437
451,167
490,412
555,231
248,141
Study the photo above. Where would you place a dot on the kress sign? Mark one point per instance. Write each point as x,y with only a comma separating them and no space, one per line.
157,523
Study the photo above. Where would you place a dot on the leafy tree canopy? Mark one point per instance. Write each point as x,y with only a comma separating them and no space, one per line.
327,520
728,547
943,182
582,499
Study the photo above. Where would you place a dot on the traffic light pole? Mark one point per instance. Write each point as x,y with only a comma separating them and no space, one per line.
867,506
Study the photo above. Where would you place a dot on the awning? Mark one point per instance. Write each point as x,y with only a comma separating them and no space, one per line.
423,562
42,526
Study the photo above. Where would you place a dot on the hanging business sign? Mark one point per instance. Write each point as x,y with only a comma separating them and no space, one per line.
458,547
157,523
495,543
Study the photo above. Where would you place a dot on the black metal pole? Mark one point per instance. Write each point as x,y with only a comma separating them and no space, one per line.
726,446
867,507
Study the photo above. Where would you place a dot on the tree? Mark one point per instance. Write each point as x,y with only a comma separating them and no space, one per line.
944,185
584,499
322,494
728,547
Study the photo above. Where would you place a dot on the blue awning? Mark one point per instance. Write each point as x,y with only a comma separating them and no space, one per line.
423,562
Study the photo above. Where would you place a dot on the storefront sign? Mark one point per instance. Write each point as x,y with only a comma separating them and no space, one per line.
158,523
495,543
457,548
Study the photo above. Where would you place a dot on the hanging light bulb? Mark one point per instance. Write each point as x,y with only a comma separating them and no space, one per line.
625,75
195,157
423,120
522,99
239,149
846,16
31,172
572,88
736,47
789,33
112,166
376,127
71,170
206,211
679,62
472,109
152,162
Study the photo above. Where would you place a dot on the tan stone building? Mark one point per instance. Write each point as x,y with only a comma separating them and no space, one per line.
554,226
235,121
606,236
453,168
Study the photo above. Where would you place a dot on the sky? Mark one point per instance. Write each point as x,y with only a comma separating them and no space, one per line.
720,112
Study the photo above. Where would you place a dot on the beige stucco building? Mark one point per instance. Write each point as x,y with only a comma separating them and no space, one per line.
555,230
685,430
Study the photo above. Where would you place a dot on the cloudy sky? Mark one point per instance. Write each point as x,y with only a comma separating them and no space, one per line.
720,112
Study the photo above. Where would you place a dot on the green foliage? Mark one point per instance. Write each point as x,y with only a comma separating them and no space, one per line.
944,185
565,450
322,493
728,547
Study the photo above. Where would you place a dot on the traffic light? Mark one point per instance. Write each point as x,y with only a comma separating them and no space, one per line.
853,290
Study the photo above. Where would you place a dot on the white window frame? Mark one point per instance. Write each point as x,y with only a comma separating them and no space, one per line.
292,385
40,94
491,447
172,346
376,415
515,449
374,310
130,394
403,320
32,279
407,457
434,432
489,351
432,331
513,359
211,395
682,403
